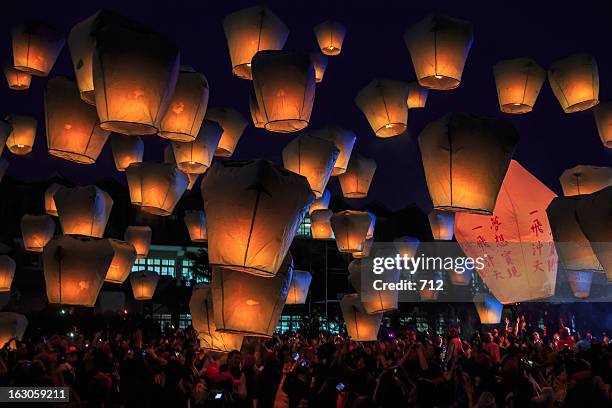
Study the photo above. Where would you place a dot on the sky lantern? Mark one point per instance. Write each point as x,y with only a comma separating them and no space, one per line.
12,326
75,269
251,30
143,284
196,225
202,319
360,325
367,248
439,46
574,249
518,84
356,180
17,80
21,138
321,203
330,36
140,238
373,301
36,231
442,224
135,71
126,150
187,108
193,178
575,82
284,83
249,304
406,245
7,272
428,293
351,229
488,308
384,104
580,283
319,62
5,130
3,166
465,158
50,207
585,179
83,210
72,125
344,140
253,210
312,158
123,260
233,124
256,115
36,46
298,290
603,118
417,96
593,213
521,261
320,224
156,187
195,157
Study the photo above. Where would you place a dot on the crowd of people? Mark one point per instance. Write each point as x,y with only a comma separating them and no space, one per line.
508,366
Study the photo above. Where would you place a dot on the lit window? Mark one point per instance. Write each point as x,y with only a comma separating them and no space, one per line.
304,228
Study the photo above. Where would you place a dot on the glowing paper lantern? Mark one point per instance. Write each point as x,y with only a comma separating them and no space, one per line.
140,238
156,187
518,84
575,82
351,229
75,269
202,319
417,96
298,290
36,47
460,274
50,207
7,272
249,304
196,225
521,261
319,62
330,36
17,80
144,284
344,141
187,108
355,181
195,157
429,292
193,178
383,102
603,118
126,150
251,30
123,260
83,210
320,224
367,248
580,283
465,158
3,166
12,326
585,179
284,83
406,246
36,231
593,213
373,301
312,158
360,325
21,138
233,124
135,72
72,125
439,46
256,116
321,203
253,211
5,130
442,224
488,308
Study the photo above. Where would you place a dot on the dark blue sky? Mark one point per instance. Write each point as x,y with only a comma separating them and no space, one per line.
551,140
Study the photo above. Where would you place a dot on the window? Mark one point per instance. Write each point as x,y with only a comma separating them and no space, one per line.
164,320
163,266
184,321
304,228
331,327
288,322
187,273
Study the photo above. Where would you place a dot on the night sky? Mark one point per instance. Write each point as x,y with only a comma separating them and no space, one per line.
550,140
